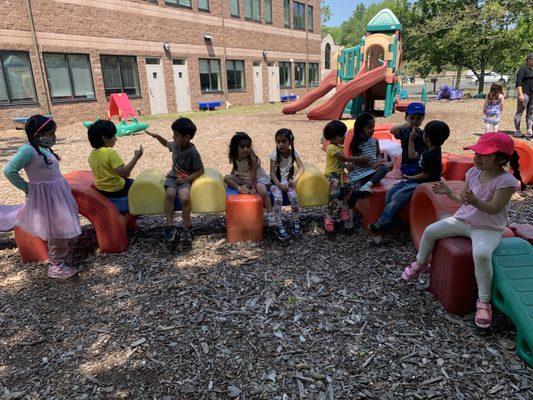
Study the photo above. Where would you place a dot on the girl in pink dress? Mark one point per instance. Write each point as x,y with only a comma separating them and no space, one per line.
482,216
50,212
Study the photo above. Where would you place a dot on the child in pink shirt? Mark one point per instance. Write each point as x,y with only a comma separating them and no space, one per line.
482,217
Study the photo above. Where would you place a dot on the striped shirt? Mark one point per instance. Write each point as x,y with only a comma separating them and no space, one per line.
368,148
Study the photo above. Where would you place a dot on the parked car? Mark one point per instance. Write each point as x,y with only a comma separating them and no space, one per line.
492,77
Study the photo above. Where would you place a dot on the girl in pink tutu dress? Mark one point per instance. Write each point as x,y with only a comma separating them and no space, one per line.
50,212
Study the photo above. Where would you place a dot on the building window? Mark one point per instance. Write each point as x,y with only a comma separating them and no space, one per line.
313,74
298,11
285,75
252,10
181,3
203,5
120,75
234,8
235,75
310,24
210,79
69,76
287,13
268,11
16,78
327,57
299,74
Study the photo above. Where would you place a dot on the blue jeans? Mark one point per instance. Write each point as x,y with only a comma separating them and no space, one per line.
398,196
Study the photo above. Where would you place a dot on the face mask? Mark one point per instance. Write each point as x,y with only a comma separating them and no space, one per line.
46,141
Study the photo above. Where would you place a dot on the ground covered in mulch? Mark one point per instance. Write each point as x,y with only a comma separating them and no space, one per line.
314,317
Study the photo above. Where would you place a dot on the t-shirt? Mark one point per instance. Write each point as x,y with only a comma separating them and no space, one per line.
285,164
431,163
333,164
184,161
524,78
420,147
103,162
476,218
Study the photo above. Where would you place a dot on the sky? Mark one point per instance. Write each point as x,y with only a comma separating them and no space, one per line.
342,9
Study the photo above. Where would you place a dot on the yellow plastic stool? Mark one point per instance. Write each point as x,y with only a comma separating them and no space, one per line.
147,194
312,188
208,193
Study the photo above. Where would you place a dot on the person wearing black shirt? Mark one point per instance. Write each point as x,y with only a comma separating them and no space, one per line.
430,163
524,87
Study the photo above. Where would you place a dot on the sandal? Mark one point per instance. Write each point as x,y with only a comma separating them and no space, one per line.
483,314
413,270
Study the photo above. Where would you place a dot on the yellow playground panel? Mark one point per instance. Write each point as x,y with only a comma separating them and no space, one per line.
312,188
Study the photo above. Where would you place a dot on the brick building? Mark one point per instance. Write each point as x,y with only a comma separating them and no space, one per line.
65,57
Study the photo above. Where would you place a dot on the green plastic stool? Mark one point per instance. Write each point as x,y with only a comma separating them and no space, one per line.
512,290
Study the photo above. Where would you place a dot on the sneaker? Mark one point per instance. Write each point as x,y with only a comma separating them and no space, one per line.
412,271
281,232
61,271
367,187
329,225
345,214
518,134
186,236
376,227
171,233
296,228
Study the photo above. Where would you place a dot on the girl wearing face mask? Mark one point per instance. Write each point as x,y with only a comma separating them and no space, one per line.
50,212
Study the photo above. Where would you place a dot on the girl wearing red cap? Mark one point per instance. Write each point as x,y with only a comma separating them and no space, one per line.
482,216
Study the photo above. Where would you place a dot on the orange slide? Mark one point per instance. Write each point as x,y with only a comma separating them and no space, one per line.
328,83
334,106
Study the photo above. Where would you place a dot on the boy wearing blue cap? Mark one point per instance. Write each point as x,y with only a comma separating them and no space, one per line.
414,116
428,168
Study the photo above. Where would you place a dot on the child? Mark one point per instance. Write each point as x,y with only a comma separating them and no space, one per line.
370,170
482,215
111,174
430,167
284,179
339,186
247,174
493,107
50,212
414,116
186,167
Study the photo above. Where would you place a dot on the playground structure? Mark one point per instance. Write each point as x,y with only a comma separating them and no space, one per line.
120,105
366,73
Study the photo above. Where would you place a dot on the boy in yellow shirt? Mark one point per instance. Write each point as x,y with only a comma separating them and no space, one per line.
340,188
111,174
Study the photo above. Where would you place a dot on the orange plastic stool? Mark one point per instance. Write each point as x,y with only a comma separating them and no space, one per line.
428,207
457,166
31,248
244,218
372,206
525,152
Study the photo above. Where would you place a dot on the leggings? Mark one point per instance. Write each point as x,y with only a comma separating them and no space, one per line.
527,106
278,201
60,251
484,242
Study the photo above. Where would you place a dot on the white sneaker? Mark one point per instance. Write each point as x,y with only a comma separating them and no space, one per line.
367,187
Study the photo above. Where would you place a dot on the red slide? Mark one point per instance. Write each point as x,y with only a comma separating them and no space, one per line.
328,83
334,106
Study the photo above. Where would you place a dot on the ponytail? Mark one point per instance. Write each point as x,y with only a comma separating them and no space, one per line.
513,162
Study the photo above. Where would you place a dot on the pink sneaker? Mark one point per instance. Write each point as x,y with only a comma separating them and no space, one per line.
61,271
413,270
329,225
345,214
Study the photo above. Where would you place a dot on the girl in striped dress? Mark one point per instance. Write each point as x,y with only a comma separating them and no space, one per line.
370,170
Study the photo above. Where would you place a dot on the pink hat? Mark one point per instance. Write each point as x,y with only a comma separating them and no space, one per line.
493,142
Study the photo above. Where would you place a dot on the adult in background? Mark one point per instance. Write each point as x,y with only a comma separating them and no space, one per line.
524,86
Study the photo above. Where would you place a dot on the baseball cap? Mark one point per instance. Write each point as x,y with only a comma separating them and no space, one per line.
416,108
493,142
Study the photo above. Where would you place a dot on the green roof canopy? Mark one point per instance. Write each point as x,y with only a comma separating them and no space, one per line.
384,21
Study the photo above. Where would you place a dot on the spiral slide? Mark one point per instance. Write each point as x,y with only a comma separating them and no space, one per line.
334,106
328,83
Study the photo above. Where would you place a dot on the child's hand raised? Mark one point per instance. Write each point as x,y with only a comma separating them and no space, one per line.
441,188
138,153
471,199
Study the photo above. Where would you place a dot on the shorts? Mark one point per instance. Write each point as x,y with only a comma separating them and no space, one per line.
171,183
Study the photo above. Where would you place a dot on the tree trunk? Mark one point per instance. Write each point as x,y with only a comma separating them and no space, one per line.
458,77
481,81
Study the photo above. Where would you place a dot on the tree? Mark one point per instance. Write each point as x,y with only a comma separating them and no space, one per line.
325,13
